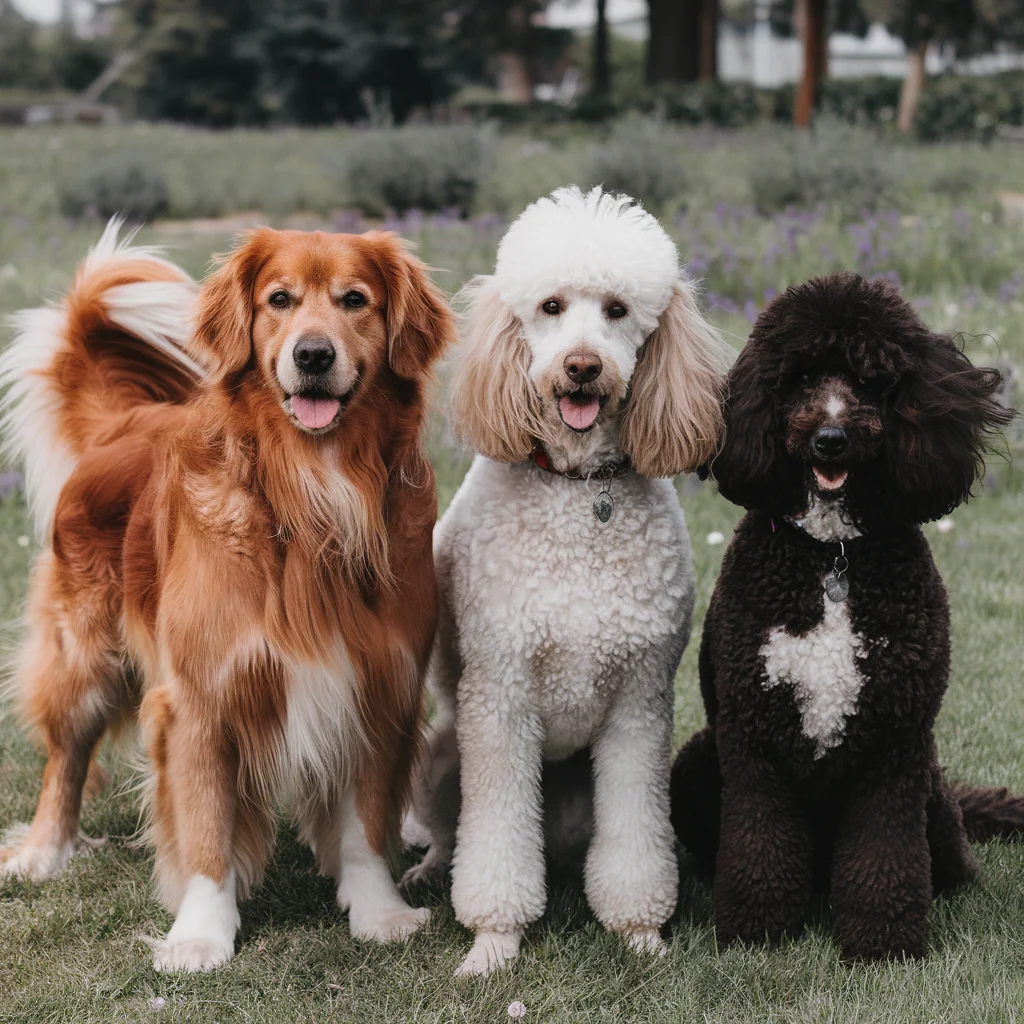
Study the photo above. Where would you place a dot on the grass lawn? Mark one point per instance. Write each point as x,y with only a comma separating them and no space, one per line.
70,950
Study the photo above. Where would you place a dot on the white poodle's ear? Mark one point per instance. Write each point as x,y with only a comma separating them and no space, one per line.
673,418
494,405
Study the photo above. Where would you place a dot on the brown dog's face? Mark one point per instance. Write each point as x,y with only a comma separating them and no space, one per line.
319,332
833,426
320,320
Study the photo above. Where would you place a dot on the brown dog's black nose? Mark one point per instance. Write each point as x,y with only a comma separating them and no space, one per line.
313,353
582,367
829,442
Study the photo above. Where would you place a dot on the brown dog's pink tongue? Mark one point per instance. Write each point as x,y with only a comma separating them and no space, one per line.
314,413
576,415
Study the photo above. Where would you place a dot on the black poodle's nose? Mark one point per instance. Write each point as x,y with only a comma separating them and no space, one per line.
313,353
829,442
582,367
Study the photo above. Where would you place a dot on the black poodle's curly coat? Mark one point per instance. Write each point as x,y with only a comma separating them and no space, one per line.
849,423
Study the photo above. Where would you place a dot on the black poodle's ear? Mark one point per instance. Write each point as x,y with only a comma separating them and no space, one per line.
753,468
939,422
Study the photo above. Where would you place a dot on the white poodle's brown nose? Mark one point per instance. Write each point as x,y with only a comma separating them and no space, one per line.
582,367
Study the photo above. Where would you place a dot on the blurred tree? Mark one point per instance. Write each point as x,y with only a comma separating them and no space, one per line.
682,40
918,23
19,59
199,65
317,61
602,71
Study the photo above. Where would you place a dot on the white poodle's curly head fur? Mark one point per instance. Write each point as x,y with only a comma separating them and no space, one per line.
587,340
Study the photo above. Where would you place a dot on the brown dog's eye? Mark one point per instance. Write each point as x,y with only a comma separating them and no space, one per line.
552,307
279,299
616,311
353,300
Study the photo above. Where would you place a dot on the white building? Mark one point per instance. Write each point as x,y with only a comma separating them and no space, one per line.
757,56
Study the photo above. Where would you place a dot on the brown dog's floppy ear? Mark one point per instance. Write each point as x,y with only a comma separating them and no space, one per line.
222,339
494,404
672,422
420,323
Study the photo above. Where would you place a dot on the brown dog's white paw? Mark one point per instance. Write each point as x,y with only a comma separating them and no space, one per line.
191,955
22,858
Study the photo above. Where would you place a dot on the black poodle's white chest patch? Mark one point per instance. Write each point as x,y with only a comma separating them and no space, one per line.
823,668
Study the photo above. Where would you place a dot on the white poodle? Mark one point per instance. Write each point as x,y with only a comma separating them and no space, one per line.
587,376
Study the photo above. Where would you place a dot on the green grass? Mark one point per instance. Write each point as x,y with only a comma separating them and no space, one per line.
69,949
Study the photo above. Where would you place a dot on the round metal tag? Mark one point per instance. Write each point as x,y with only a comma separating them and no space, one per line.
837,587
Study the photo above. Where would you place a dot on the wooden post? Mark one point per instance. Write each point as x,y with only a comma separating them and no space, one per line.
815,51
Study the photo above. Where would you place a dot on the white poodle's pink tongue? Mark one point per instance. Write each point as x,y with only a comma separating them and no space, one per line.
579,415
314,413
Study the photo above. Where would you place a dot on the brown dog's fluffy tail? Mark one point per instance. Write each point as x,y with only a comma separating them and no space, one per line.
989,812
115,342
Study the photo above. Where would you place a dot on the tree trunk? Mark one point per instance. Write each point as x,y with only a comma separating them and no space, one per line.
815,50
708,63
673,40
602,74
910,94
514,82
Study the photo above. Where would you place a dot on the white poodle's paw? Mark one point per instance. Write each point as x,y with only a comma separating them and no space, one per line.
23,858
646,940
192,954
491,952
386,924
431,869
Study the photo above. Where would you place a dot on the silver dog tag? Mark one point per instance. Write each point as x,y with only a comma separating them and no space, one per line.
603,507
837,588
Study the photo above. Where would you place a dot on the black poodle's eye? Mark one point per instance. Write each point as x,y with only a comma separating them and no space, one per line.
616,311
353,300
280,299
552,307
804,379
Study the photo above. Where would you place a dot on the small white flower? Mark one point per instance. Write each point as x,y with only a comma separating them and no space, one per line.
23,541
516,1010
716,537
952,309
944,525
156,1003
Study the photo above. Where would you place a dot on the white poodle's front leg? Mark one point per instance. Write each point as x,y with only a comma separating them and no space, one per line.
366,889
632,876
498,884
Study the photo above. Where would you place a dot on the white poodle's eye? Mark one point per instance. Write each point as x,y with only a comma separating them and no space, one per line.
616,311
552,307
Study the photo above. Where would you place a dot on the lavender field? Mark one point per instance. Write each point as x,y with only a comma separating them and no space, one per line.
945,224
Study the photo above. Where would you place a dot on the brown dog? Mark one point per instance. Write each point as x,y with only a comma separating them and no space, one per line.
238,546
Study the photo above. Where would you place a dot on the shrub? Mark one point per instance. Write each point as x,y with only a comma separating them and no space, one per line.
641,157
436,168
970,106
127,184
835,165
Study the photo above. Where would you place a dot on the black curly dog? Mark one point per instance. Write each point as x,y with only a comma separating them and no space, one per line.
849,423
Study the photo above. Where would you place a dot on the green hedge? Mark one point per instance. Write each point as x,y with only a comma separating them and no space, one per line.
952,106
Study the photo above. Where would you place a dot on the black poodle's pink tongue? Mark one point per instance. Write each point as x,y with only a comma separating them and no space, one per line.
830,479
579,415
